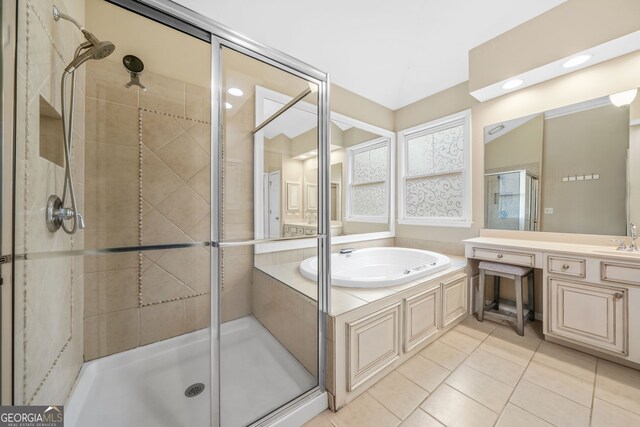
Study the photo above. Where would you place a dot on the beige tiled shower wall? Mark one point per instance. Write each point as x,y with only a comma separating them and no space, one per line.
48,331
290,316
147,183
237,213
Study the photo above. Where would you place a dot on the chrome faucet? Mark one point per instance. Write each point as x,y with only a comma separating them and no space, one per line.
634,239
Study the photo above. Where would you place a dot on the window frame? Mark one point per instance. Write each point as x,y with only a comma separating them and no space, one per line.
351,152
406,135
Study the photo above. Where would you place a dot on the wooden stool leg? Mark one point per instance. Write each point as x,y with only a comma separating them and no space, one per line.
496,290
481,294
532,303
519,308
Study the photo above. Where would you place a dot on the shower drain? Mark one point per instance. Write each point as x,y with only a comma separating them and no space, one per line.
194,390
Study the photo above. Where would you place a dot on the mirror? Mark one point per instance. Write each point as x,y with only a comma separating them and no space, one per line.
566,170
289,149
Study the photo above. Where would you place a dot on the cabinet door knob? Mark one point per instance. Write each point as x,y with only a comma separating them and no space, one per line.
565,266
617,295
500,255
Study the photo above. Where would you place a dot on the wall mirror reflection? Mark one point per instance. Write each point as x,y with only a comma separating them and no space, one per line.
567,170
360,181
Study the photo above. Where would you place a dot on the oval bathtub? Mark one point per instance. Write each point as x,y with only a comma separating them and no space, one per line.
378,267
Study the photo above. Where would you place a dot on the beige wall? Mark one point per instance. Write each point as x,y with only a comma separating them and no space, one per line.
593,82
586,142
48,329
521,148
571,27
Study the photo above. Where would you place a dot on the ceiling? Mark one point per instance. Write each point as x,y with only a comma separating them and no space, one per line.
393,53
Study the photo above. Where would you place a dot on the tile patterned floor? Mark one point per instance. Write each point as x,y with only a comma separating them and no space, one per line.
484,374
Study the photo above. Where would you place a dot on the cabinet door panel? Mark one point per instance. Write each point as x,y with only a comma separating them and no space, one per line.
591,314
454,300
374,343
421,315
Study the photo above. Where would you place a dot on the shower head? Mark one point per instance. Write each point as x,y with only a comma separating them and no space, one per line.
96,51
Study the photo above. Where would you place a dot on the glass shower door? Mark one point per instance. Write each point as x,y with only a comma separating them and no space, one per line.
112,317
269,328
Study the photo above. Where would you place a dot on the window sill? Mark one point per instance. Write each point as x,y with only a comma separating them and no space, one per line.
436,223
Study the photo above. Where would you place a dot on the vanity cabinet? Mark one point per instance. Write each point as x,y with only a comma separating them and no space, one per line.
590,293
591,314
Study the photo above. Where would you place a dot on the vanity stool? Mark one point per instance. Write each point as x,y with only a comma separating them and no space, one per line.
508,271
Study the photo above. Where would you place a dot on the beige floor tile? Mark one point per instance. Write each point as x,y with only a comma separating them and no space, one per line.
480,387
566,385
514,416
444,355
495,366
453,408
507,349
419,418
549,406
320,420
460,341
480,330
619,385
607,415
398,394
572,362
423,372
364,411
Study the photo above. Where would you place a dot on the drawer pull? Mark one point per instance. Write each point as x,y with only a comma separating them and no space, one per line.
500,255
617,295
565,266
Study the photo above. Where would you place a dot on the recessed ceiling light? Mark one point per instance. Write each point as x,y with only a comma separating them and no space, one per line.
512,84
577,60
302,157
235,91
227,105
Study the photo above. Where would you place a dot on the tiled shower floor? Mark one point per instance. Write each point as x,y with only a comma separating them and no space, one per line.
145,386
483,374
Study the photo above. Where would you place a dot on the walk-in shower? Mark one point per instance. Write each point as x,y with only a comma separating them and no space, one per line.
149,309
57,212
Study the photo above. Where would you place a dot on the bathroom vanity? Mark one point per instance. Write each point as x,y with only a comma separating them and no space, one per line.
590,295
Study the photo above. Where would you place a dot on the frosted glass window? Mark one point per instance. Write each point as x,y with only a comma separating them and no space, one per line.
437,152
434,196
368,193
434,181
369,200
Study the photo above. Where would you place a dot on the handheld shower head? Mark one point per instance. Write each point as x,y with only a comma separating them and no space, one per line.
96,51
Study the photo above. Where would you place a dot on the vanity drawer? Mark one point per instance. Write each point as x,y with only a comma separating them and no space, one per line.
300,231
617,272
309,231
507,257
576,267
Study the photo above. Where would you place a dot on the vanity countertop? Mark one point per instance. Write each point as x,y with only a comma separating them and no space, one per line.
596,251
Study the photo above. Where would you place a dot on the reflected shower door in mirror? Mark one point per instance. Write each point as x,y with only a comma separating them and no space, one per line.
359,191
574,169
269,322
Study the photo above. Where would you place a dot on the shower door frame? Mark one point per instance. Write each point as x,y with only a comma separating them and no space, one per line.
221,36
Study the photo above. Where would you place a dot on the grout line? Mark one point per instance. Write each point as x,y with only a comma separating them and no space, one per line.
593,393
385,406
518,383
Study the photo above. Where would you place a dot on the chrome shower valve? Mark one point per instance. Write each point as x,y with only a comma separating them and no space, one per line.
56,214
